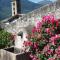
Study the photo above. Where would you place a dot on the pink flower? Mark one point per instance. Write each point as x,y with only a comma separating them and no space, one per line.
35,45
34,29
27,43
52,27
32,35
53,39
51,59
50,51
53,21
31,56
57,51
53,42
58,56
48,18
38,30
39,24
57,23
47,30
35,58
57,36
46,48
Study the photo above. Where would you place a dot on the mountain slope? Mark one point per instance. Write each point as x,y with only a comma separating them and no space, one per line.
44,2
26,6
5,9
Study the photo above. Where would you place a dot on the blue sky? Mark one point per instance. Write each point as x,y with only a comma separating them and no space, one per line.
39,0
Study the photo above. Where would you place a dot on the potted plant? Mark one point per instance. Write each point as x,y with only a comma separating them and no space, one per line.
44,40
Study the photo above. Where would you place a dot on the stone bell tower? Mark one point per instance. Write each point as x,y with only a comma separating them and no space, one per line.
16,7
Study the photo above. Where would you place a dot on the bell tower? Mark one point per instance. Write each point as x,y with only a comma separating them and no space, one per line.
16,7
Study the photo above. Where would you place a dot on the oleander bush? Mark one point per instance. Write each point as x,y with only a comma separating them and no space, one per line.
44,39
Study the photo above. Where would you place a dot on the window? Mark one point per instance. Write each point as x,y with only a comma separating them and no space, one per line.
14,13
14,9
13,3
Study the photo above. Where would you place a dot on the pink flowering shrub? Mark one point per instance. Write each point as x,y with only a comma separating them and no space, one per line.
44,40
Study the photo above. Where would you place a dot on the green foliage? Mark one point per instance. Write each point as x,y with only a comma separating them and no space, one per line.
41,45
41,56
5,39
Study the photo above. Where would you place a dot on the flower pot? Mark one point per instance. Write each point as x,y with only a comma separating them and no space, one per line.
14,54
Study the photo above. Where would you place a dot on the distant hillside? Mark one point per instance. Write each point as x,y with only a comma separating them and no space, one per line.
26,6
5,9
44,2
